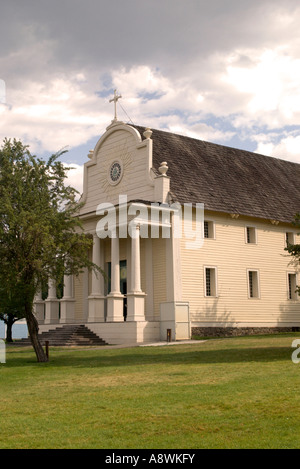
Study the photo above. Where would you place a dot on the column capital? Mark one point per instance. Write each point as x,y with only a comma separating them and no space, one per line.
134,230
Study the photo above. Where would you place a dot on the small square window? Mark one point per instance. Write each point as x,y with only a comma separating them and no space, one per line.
250,235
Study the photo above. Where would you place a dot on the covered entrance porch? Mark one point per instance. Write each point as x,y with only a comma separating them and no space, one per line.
117,295
124,304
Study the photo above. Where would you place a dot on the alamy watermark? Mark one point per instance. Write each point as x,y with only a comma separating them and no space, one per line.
153,220
2,92
295,358
2,351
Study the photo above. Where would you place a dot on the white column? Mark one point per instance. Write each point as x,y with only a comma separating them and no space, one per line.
39,307
38,295
96,298
149,305
67,303
51,289
97,287
115,266
128,263
135,298
135,262
52,304
84,285
173,267
68,286
115,298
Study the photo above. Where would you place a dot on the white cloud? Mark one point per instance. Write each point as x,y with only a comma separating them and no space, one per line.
51,115
287,149
2,92
271,83
180,70
75,176
253,88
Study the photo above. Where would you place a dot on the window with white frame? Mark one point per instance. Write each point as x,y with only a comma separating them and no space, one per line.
209,229
210,281
289,238
292,286
250,234
253,284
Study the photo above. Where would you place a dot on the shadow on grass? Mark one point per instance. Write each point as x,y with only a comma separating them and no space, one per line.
150,356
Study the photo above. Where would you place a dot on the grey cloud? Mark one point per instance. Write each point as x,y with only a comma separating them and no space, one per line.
170,34
188,41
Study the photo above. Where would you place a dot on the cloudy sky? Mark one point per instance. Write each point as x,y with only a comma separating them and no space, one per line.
226,71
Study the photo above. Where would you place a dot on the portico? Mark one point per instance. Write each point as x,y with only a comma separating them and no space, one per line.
108,293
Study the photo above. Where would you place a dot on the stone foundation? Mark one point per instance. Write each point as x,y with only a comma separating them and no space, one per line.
239,331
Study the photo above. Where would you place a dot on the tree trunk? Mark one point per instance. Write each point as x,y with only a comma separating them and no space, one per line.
9,325
33,330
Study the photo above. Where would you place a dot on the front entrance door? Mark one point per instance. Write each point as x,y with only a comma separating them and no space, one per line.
123,283
123,286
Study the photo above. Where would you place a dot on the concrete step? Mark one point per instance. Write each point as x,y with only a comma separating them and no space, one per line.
67,335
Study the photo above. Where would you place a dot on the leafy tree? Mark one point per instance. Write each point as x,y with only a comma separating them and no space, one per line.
40,233
294,249
11,307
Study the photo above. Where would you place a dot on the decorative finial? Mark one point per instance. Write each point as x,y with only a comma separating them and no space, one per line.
163,168
147,134
115,100
90,154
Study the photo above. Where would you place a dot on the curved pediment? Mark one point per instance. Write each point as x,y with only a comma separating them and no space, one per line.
117,127
120,164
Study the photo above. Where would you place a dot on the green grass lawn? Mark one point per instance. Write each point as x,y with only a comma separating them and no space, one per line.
223,393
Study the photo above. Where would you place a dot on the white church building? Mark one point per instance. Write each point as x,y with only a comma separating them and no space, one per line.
190,236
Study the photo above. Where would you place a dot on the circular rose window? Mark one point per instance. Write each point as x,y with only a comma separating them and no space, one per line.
115,172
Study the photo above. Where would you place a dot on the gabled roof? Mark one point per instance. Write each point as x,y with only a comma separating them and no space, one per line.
227,179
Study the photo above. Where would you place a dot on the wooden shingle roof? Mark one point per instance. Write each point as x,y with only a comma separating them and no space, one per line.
227,179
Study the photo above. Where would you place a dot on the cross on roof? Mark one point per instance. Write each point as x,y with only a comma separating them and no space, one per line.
115,100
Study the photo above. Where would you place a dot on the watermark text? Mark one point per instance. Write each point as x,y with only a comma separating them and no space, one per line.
295,358
153,220
2,351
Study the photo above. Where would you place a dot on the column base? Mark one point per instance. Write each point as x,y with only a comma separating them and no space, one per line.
96,308
67,310
115,302
136,306
51,311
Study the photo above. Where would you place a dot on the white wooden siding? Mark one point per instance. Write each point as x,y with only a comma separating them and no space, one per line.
233,257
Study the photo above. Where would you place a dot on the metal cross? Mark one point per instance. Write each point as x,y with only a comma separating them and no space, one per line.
115,100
